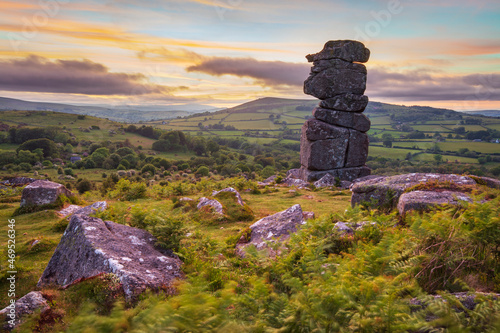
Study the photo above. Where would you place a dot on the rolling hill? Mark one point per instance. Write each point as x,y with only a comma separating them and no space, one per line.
125,114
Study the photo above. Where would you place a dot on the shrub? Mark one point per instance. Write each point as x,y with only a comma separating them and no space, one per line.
202,171
148,168
125,190
25,166
168,231
83,186
268,171
68,172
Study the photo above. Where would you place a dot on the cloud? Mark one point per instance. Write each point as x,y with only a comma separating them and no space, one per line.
266,73
428,86
38,74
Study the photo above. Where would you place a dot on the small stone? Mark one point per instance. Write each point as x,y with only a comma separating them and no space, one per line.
232,190
343,228
216,205
25,306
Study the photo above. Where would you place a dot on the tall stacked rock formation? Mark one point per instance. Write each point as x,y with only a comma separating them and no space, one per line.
335,141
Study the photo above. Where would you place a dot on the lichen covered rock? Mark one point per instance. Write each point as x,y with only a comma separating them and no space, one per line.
43,192
91,246
273,228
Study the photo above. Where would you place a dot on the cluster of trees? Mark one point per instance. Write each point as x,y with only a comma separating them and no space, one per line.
146,131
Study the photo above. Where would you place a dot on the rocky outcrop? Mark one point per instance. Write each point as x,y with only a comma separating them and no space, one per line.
75,209
91,246
273,228
232,190
216,205
18,181
402,192
423,200
334,141
23,307
43,192
98,206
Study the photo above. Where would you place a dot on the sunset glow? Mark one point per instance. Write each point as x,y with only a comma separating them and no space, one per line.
222,53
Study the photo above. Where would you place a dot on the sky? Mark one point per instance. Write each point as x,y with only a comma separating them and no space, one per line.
220,53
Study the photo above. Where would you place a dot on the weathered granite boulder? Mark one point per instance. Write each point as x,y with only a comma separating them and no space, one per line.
68,211
348,50
273,228
490,182
299,183
232,190
348,174
330,78
357,150
216,205
24,306
75,209
354,120
385,191
423,200
42,192
95,207
18,181
91,246
345,102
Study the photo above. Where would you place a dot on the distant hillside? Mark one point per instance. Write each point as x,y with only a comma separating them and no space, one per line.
301,108
489,113
147,113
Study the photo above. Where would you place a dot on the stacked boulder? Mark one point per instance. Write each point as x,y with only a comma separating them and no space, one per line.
335,141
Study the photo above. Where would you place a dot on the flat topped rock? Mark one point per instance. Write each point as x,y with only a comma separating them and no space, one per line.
348,50
385,191
423,200
75,209
42,192
91,246
276,227
18,181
